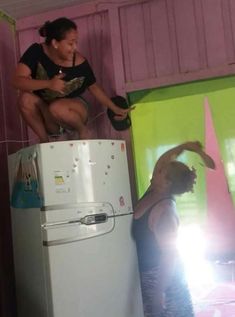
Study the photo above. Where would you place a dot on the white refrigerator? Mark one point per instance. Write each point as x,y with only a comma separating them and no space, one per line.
71,222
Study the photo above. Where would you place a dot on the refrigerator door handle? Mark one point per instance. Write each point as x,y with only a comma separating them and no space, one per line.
89,226
87,220
94,219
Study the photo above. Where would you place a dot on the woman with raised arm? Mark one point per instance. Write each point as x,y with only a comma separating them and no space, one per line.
51,78
155,226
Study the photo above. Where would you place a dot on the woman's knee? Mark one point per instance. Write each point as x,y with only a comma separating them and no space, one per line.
27,102
62,109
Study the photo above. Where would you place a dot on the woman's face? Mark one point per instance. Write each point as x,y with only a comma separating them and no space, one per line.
162,181
66,47
192,181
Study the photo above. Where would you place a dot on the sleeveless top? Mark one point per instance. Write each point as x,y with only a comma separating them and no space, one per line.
77,77
148,251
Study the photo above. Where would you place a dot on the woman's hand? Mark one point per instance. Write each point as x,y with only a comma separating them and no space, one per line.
208,161
193,146
196,147
121,113
57,83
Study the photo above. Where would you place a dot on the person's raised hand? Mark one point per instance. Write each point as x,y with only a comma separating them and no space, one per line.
196,146
208,161
193,146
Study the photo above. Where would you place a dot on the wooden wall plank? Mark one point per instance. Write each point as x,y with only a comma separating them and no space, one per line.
136,41
125,46
83,37
214,31
231,6
228,33
107,70
115,53
200,31
161,38
172,36
186,33
148,35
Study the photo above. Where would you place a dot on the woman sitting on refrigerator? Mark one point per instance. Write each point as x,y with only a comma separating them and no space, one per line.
51,77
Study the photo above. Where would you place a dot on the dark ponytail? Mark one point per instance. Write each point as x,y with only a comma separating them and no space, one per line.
44,29
56,29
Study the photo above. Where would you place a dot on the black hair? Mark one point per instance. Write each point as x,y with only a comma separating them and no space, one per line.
56,29
180,176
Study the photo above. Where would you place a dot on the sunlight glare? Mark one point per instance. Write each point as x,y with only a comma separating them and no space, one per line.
192,246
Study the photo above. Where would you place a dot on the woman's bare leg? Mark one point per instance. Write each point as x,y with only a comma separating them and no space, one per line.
71,113
36,114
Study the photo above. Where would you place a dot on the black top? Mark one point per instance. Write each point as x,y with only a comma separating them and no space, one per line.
78,77
148,250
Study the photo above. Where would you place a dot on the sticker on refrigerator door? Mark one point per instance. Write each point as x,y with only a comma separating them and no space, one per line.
121,201
25,192
62,181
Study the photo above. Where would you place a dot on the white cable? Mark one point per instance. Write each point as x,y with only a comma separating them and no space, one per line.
17,141
95,117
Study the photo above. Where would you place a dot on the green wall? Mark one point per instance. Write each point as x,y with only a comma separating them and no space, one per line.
165,117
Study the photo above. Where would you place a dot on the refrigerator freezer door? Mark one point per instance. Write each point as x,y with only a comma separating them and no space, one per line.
95,277
84,171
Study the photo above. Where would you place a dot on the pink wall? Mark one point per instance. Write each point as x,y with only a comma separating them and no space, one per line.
10,129
176,41
220,207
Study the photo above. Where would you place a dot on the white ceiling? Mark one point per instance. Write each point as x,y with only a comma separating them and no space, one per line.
18,9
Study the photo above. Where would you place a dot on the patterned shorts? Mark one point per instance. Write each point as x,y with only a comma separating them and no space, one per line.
177,297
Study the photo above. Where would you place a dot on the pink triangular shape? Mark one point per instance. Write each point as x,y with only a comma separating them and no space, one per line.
221,213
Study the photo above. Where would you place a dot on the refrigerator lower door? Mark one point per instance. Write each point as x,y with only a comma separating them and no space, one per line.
29,259
95,277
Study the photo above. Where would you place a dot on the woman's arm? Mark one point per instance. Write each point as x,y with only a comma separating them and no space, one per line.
172,154
22,80
150,197
101,96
